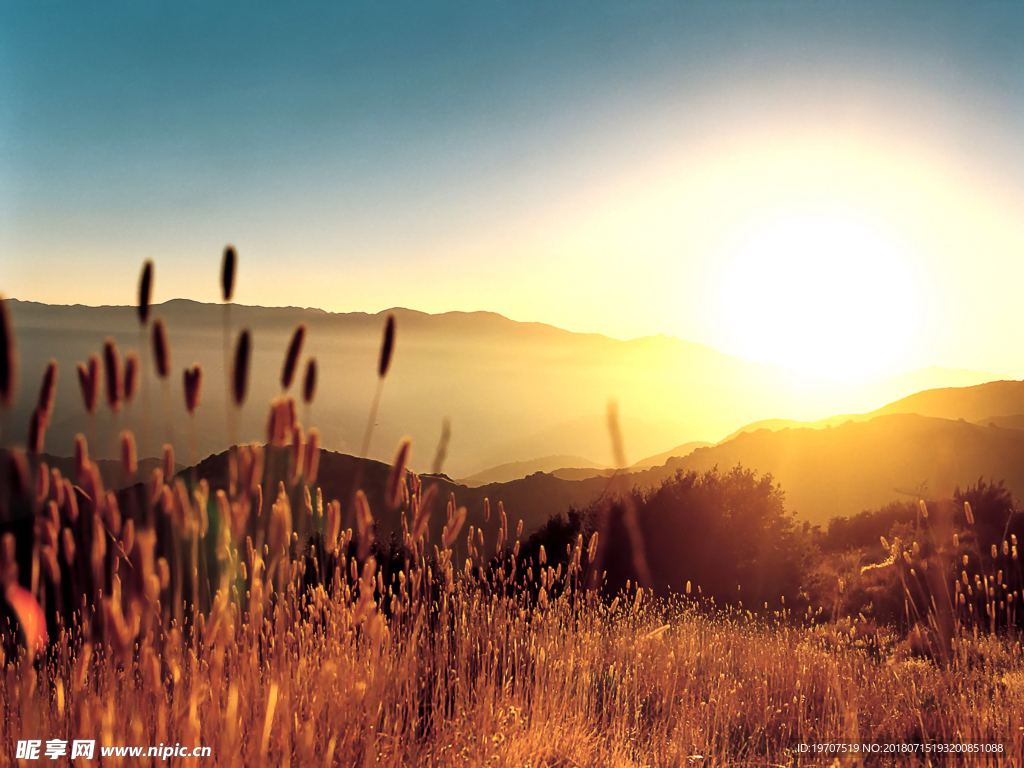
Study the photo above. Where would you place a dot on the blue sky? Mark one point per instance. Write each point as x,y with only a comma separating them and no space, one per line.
455,155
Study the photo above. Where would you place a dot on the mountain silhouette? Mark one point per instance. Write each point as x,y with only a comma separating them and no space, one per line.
514,391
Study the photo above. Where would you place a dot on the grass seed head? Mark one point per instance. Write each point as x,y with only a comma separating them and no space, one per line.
364,521
387,346
309,381
18,473
312,458
451,530
36,431
227,273
442,448
240,371
193,387
333,525
112,369
291,358
168,461
145,291
396,478
161,350
129,456
48,391
422,519
131,377
8,358
89,383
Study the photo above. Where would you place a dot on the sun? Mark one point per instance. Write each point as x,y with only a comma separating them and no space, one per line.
824,295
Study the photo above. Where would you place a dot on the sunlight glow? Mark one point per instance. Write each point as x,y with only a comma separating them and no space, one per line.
824,295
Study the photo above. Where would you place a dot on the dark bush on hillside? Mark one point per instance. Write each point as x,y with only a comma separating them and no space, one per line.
864,529
727,533
995,518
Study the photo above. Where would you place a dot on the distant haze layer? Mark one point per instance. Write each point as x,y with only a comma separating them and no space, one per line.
514,391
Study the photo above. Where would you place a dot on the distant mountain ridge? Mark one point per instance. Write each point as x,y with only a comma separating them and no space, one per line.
513,391
515,470
1002,400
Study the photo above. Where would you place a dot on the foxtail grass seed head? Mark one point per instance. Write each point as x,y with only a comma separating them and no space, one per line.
36,431
18,474
167,461
193,387
227,273
145,291
89,382
312,460
240,374
968,512
131,377
387,347
396,478
615,433
280,522
333,525
291,359
81,454
309,381
48,391
31,618
364,521
442,448
161,350
8,358
112,369
423,512
298,451
8,560
924,508
129,456
451,530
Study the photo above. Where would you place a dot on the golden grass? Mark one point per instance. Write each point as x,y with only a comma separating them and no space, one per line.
496,681
271,634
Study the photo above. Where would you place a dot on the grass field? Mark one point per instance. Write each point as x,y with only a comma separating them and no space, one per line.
255,622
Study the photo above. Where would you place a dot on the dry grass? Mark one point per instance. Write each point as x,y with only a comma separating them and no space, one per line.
207,619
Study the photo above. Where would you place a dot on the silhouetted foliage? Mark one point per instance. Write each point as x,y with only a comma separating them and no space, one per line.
727,533
864,529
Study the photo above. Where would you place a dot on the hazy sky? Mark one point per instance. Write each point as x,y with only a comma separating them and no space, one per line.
625,168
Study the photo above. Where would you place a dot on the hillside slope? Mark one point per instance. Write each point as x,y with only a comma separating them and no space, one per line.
862,465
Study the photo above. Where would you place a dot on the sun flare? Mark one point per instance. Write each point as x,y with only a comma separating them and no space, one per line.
824,295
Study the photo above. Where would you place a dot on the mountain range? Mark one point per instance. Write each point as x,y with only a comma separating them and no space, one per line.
513,391
824,472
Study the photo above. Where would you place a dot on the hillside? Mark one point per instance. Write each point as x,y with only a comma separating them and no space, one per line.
680,450
517,469
980,402
999,402
862,465
533,500
824,472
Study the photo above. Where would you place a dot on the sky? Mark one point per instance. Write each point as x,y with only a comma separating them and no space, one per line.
837,186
